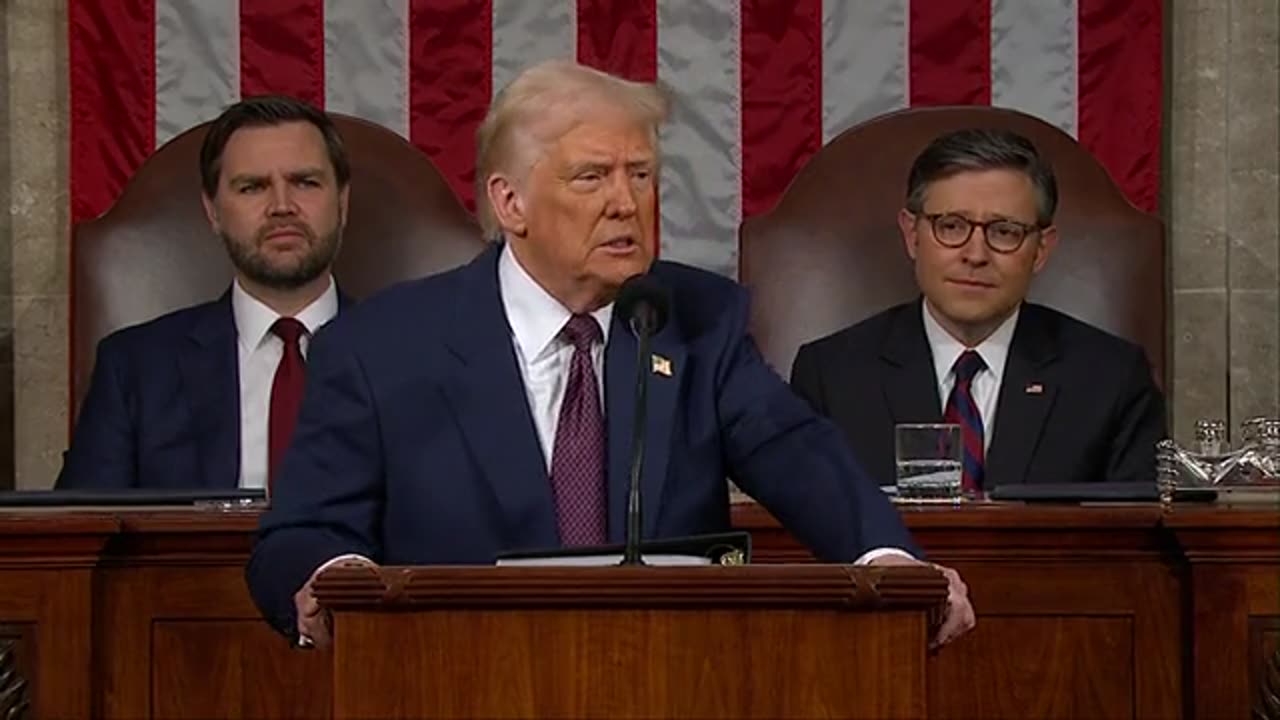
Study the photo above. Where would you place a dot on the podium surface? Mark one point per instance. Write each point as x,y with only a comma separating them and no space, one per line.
794,641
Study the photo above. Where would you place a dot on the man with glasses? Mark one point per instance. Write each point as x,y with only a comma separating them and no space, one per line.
1038,395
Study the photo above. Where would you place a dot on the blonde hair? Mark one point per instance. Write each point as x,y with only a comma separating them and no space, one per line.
541,104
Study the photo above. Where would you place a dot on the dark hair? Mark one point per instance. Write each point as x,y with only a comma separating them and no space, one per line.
983,149
266,111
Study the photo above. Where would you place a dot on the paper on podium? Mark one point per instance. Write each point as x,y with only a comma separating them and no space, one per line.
730,548
602,560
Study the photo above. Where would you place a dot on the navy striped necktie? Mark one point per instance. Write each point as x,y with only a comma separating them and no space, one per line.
963,411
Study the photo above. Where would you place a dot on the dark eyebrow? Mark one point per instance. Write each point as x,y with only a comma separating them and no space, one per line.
245,179
306,173
302,174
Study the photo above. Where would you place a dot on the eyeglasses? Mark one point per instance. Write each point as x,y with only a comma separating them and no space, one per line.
1002,236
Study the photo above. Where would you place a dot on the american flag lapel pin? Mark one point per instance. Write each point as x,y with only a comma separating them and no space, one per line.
1034,388
661,366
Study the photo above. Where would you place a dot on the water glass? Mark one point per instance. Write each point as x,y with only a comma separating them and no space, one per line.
929,457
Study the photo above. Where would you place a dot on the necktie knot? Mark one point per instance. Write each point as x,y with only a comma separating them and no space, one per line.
969,363
581,331
288,329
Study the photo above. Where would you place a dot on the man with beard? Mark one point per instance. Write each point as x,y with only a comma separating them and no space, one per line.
206,397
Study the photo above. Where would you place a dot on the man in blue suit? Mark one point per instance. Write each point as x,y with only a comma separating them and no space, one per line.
490,408
206,397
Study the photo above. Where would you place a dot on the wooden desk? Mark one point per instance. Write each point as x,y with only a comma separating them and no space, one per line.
1083,612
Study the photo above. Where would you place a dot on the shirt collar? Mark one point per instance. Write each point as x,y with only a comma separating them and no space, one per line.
535,316
946,349
254,318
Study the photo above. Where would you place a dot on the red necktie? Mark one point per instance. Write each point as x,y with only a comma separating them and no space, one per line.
963,411
578,458
286,393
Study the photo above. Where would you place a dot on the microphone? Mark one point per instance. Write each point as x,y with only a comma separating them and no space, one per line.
644,303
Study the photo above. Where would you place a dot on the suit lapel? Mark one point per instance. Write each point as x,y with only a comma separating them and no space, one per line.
211,385
489,400
910,383
665,365
1026,396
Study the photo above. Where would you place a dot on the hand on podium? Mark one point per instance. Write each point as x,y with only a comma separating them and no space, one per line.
959,618
314,623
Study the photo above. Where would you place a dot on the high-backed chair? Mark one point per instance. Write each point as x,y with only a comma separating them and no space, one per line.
830,253
153,251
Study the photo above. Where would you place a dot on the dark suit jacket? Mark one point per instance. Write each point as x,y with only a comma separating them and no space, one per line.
163,407
416,445
1096,417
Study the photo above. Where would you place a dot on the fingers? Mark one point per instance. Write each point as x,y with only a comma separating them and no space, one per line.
316,629
960,617
313,621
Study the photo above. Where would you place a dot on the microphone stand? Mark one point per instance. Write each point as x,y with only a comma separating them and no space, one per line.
631,552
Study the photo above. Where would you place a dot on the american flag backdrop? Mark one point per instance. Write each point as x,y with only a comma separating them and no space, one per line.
759,84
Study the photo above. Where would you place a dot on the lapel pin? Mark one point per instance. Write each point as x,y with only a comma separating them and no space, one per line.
1034,388
661,366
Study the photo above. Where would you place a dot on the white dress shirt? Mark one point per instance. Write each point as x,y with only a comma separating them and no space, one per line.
259,351
985,387
536,319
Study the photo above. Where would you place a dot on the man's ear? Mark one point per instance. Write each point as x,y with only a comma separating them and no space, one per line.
1048,242
344,204
507,204
211,213
907,226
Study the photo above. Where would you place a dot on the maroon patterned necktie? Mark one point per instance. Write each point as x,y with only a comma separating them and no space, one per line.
578,459
286,393
963,411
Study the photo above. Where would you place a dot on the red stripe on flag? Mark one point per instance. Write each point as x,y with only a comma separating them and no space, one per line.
111,48
781,49
282,48
450,44
620,38
949,52
1120,92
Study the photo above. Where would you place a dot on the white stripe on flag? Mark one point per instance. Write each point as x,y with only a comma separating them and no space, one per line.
701,183
366,61
864,61
197,62
1034,59
526,32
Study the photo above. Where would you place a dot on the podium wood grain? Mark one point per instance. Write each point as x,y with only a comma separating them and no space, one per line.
812,641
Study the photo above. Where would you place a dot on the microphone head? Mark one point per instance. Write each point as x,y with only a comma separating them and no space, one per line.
644,303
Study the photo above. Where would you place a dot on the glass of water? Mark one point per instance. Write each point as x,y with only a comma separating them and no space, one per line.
929,457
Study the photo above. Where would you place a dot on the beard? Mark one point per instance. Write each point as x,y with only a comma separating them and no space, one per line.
284,273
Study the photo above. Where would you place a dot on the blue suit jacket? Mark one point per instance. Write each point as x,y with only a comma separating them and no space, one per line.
416,445
163,407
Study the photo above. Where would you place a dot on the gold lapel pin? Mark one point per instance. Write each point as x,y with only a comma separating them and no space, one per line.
661,366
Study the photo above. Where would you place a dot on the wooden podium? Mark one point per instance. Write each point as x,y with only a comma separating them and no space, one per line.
752,641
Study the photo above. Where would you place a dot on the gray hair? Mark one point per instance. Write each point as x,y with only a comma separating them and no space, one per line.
540,105
983,149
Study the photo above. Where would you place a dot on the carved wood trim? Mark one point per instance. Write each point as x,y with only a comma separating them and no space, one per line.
802,586
15,701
